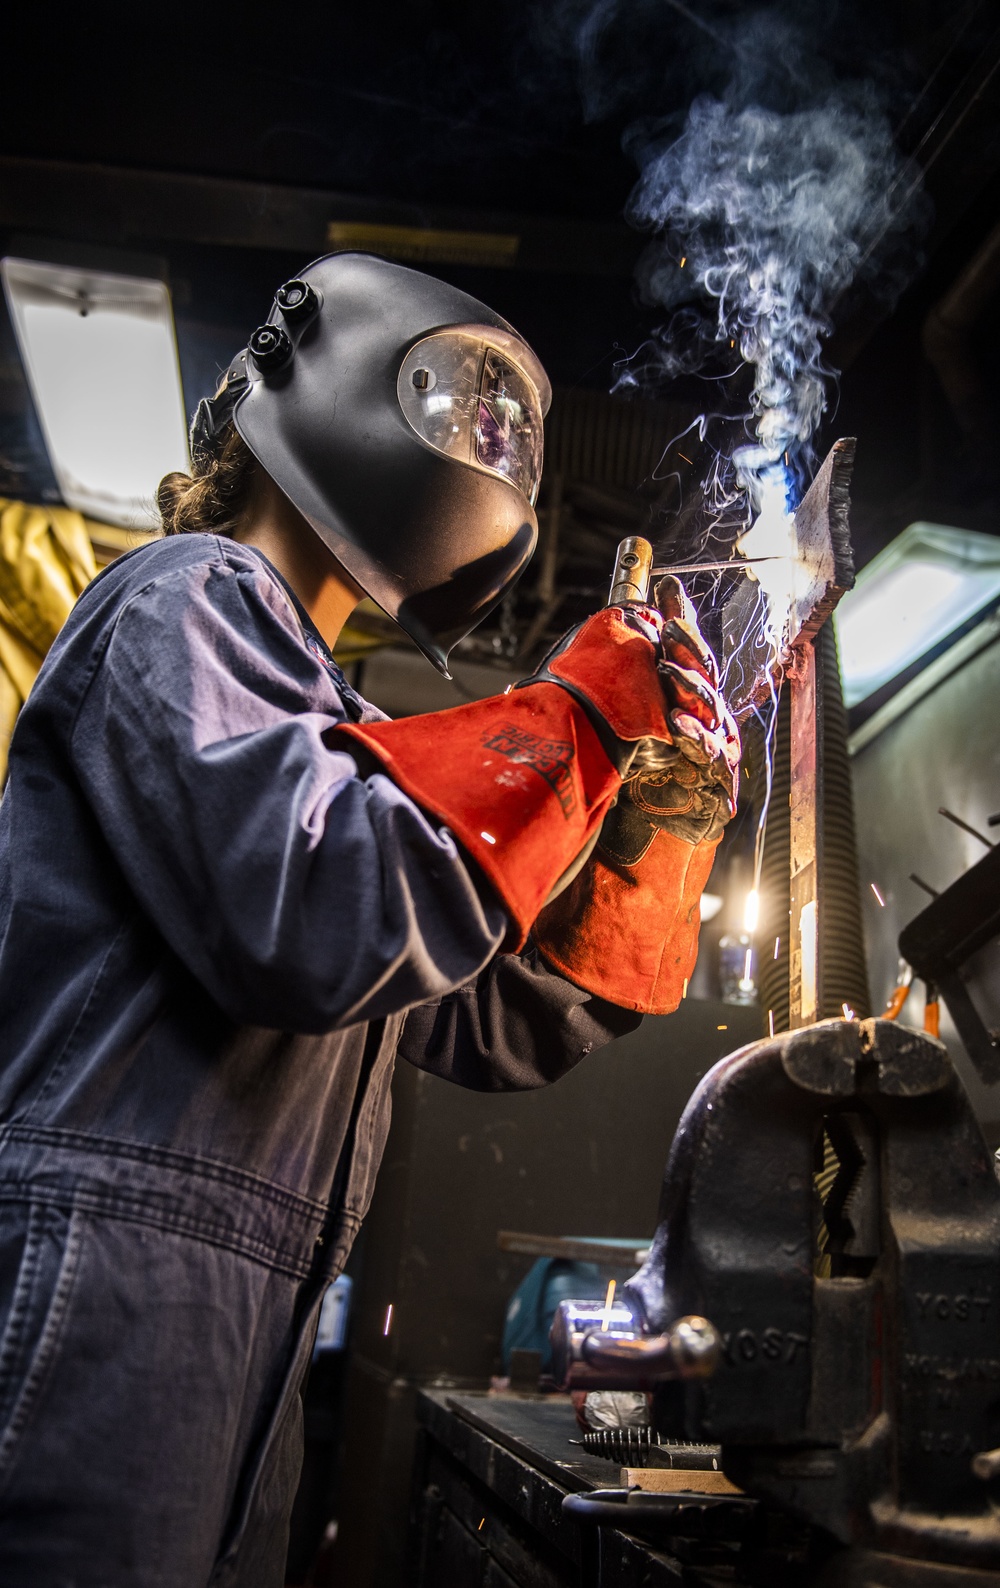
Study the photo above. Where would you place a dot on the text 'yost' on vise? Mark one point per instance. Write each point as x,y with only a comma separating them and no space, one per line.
832,1338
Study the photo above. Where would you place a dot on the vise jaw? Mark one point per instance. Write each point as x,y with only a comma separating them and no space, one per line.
830,1205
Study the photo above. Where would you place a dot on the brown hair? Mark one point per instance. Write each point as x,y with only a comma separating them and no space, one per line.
214,496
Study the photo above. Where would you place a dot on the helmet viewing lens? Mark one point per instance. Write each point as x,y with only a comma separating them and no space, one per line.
469,399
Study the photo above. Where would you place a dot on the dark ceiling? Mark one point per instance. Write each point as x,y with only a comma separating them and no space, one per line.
497,119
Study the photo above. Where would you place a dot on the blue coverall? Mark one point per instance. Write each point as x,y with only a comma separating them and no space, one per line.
215,938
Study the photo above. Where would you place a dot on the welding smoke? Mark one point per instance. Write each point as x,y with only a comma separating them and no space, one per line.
770,194
775,214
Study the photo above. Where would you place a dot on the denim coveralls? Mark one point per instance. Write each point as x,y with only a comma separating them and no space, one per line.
215,937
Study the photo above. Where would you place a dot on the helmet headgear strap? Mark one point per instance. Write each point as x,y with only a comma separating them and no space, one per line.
213,413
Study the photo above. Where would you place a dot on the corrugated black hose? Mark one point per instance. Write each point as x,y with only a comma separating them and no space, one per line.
843,972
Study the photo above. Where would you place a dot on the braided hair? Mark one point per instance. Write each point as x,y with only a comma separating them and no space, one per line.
214,497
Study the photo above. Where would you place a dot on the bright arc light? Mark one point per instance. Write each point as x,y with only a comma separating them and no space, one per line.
101,360
751,912
609,1303
925,584
771,538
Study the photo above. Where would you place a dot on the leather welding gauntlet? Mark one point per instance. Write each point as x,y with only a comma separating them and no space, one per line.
626,928
524,780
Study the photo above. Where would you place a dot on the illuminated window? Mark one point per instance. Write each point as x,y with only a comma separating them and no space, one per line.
926,584
101,361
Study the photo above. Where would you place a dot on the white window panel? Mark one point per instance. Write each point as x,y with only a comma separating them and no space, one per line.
922,587
101,360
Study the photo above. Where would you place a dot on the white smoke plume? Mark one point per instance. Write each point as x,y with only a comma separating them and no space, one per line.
772,215
772,188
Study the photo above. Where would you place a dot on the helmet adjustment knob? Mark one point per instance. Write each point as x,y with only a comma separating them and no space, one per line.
270,348
296,300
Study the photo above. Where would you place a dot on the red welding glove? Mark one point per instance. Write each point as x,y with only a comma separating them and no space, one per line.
524,780
626,928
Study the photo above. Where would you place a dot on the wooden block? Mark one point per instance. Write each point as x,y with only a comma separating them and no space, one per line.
676,1480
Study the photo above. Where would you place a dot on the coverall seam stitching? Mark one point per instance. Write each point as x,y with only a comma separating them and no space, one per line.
166,576
216,559
12,1341
261,565
66,1052
674,919
115,1208
331,667
45,1352
164,1157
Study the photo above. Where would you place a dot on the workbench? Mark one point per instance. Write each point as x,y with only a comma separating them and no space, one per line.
490,1476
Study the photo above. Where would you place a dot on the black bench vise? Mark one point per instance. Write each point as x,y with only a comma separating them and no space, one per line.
831,1206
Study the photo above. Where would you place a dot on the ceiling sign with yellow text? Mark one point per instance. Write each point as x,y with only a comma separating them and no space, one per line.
425,245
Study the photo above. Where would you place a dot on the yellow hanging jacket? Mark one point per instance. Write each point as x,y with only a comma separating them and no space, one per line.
46,560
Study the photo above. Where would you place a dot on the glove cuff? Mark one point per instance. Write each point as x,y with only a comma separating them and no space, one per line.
629,934
521,780
610,664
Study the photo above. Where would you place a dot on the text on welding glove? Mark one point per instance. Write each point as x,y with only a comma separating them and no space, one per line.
524,780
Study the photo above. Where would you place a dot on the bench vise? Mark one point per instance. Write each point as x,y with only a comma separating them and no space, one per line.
831,1206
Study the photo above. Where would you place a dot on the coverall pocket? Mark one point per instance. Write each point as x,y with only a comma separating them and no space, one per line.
256,1538
39,1252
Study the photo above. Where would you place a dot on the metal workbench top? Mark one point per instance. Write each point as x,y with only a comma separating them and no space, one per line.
537,1428
517,1453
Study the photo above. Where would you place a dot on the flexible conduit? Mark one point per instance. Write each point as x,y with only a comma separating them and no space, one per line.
843,973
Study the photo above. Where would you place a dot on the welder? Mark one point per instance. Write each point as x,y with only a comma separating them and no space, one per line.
231,893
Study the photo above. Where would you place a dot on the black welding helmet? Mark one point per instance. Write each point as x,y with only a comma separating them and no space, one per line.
404,420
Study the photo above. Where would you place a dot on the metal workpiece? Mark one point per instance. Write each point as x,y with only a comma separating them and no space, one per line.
643,1447
831,1205
820,545
627,1447
597,1349
633,566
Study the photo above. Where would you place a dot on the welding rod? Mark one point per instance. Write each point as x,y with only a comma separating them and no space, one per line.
713,567
634,570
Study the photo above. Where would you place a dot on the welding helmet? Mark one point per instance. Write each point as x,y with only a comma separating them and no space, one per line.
404,421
